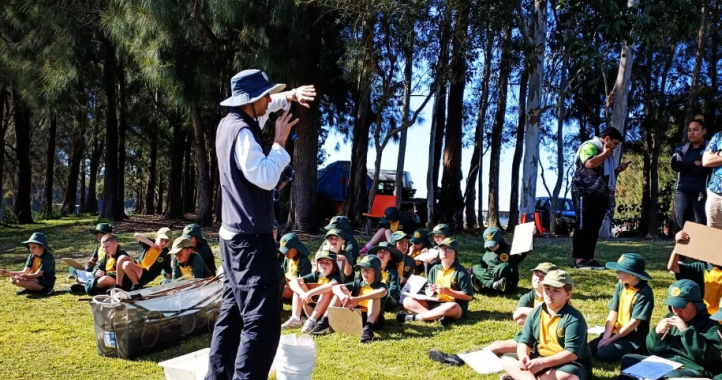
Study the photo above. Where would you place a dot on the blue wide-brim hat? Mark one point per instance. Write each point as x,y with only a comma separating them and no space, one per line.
249,86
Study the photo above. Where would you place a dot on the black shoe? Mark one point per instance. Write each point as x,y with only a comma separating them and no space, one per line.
594,264
77,288
45,292
24,291
442,358
322,327
401,317
446,321
135,287
367,335
584,264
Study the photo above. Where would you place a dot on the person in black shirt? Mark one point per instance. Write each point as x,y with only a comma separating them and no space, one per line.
690,192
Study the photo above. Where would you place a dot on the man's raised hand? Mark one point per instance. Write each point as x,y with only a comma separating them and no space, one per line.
283,128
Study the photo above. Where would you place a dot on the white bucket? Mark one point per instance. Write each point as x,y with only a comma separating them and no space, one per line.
193,366
295,358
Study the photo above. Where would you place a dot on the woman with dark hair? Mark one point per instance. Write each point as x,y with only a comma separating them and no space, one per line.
592,188
690,191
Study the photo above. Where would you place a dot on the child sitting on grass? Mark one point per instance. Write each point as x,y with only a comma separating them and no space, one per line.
419,244
312,292
389,257
707,276
134,275
188,264
38,276
335,243
99,231
103,276
630,311
498,270
366,293
295,262
406,266
553,342
527,303
451,282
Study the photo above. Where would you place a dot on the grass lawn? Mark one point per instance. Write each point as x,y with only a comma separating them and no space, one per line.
52,338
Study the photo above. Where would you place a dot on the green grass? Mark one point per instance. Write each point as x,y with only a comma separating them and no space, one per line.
52,338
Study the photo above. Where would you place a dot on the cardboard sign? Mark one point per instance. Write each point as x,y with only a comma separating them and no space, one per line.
73,263
345,320
523,238
704,243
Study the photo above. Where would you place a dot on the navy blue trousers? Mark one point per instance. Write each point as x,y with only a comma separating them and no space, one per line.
248,328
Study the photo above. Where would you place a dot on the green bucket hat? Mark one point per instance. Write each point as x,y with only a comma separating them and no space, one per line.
370,261
420,237
180,243
492,236
289,241
164,233
101,228
193,230
631,263
340,222
682,292
398,235
336,232
38,238
325,254
544,267
451,243
396,255
557,278
441,229
392,214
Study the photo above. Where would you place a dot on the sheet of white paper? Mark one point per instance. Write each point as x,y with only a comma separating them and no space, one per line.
598,330
651,368
415,284
523,238
421,297
482,361
82,276
430,253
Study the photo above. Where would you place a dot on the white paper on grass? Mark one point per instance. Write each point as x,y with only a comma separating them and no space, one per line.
523,238
651,368
598,330
482,361
431,253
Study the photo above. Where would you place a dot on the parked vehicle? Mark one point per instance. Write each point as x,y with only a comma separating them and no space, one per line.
565,215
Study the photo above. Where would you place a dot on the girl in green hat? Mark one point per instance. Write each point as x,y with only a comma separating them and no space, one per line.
389,257
38,276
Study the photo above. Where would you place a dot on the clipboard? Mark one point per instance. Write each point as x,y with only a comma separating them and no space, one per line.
345,320
73,263
703,244
523,238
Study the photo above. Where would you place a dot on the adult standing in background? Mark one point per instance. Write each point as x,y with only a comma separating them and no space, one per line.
247,332
592,188
712,158
690,192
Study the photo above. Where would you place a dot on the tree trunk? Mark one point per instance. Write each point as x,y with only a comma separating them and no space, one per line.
408,72
3,129
50,167
122,125
110,180
76,155
452,202
477,157
161,181
518,152
691,108
438,121
561,116
497,129
305,154
91,205
533,105
175,180
152,165
205,187
188,184
23,173
82,183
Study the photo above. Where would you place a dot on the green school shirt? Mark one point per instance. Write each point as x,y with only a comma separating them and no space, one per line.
392,281
207,255
195,266
100,266
349,258
315,277
571,332
697,348
587,151
162,262
493,258
461,281
355,287
642,307
47,265
527,300
303,265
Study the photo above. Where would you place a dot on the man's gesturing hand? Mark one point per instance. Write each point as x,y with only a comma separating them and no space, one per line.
283,128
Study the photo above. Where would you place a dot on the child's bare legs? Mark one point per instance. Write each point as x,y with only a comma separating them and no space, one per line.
415,306
31,284
287,293
378,237
374,309
511,366
324,300
501,347
421,308
105,282
127,267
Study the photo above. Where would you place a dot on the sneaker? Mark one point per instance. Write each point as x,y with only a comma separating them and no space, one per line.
594,264
401,317
308,326
46,292
321,328
446,321
443,358
24,291
367,336
584,265
77,288
135,287
292,323
499,285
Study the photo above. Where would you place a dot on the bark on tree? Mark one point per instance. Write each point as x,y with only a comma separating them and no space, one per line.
451,200
4,103
152,165
122,125
49,166
408,72
533,105
518,152
497,129
188,184
305,153
691,108
161,181
76,155
561,116
205,188
477,158
82,183
23,172
175,201
91,203
110,180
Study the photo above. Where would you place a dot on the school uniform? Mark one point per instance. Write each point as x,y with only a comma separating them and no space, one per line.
154,262
358,288
496,265
528,300
107,264
565,331
709,279
194,267
206,254
630,302
46,263
457,278
317,278
98,253
296,267
390,278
